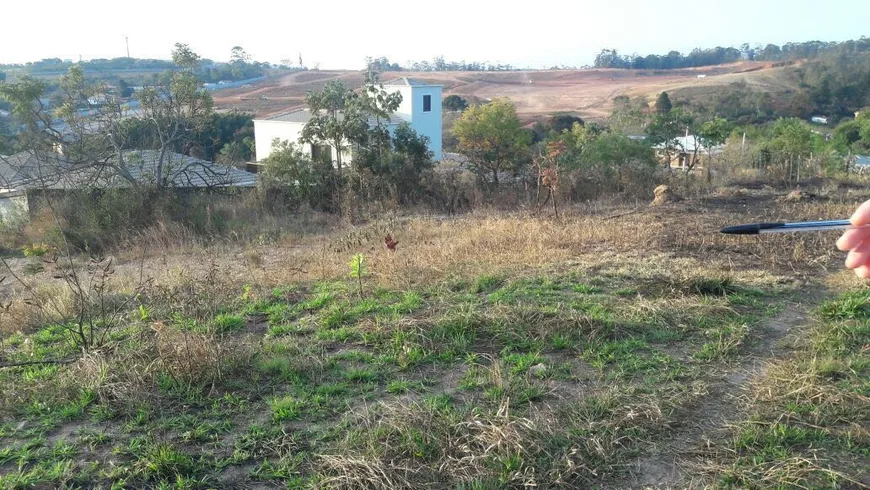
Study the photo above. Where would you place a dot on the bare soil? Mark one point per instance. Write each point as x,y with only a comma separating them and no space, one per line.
587,93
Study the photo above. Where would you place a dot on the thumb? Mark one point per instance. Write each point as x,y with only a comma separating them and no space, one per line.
861,215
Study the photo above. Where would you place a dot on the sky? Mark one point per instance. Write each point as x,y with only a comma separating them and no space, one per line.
340,34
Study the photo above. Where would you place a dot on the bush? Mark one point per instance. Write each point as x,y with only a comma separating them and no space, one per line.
95,220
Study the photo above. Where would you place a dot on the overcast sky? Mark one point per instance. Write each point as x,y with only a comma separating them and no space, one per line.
339,34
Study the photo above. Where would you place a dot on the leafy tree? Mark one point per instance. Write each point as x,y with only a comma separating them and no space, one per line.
455,103
2,77
97,138
579,137
663,103
846,135
185,57
239,55
378,105
337,119
665,128
612,156
398,169
124,89
713,133
492,137
288,178
792,137
791,144
564,122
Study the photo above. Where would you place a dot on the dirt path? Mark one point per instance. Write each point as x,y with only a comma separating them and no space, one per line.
705,420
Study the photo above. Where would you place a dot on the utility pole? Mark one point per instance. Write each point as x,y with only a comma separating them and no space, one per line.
127,42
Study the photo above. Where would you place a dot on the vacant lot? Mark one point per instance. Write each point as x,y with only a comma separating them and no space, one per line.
588,93
491,351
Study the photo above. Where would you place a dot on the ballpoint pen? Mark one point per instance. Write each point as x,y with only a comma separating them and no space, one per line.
783,227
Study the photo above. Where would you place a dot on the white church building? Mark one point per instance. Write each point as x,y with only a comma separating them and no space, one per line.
420,108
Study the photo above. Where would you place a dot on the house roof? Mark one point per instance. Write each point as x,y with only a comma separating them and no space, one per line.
687,143
862,160
52,171
407,82
299,115
304,115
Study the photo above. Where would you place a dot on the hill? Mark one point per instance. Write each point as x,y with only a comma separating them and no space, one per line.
587,93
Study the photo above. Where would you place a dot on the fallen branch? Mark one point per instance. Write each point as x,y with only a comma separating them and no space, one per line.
620,215
33,363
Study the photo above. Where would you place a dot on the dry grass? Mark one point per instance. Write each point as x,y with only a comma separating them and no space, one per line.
492,350
805,419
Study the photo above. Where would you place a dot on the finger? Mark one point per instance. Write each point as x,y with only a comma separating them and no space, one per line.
853,238
862,214
859,256
863,272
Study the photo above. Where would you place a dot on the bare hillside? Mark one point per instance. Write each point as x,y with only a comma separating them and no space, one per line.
588,93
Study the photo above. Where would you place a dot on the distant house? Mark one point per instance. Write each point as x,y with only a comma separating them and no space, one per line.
23,175
420,108
862,161
683,151
819,120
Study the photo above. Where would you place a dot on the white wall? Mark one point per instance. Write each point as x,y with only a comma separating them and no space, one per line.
427,124
265,131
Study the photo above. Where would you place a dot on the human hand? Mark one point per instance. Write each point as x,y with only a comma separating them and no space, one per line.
857,242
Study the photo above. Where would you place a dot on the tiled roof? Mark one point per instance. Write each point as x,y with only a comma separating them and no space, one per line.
406,82
52,171
304,115
300,115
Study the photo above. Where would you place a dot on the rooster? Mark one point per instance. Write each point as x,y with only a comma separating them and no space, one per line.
390,243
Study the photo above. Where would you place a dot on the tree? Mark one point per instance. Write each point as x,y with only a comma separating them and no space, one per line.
663,103
400,166
2,77
846,135
124,89
239,55
792,143
184,57
455,103
711,134
663,131
290,178
492,137
612,156
95,131
564,122
337,119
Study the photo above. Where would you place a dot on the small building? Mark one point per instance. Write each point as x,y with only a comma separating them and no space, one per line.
420,109
684,151
819,120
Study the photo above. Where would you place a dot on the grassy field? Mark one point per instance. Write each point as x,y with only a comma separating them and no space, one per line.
490,351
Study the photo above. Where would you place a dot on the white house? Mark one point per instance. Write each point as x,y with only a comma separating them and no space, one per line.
420,108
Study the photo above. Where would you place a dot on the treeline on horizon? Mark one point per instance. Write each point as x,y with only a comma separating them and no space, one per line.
610,58
438,63
210,71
